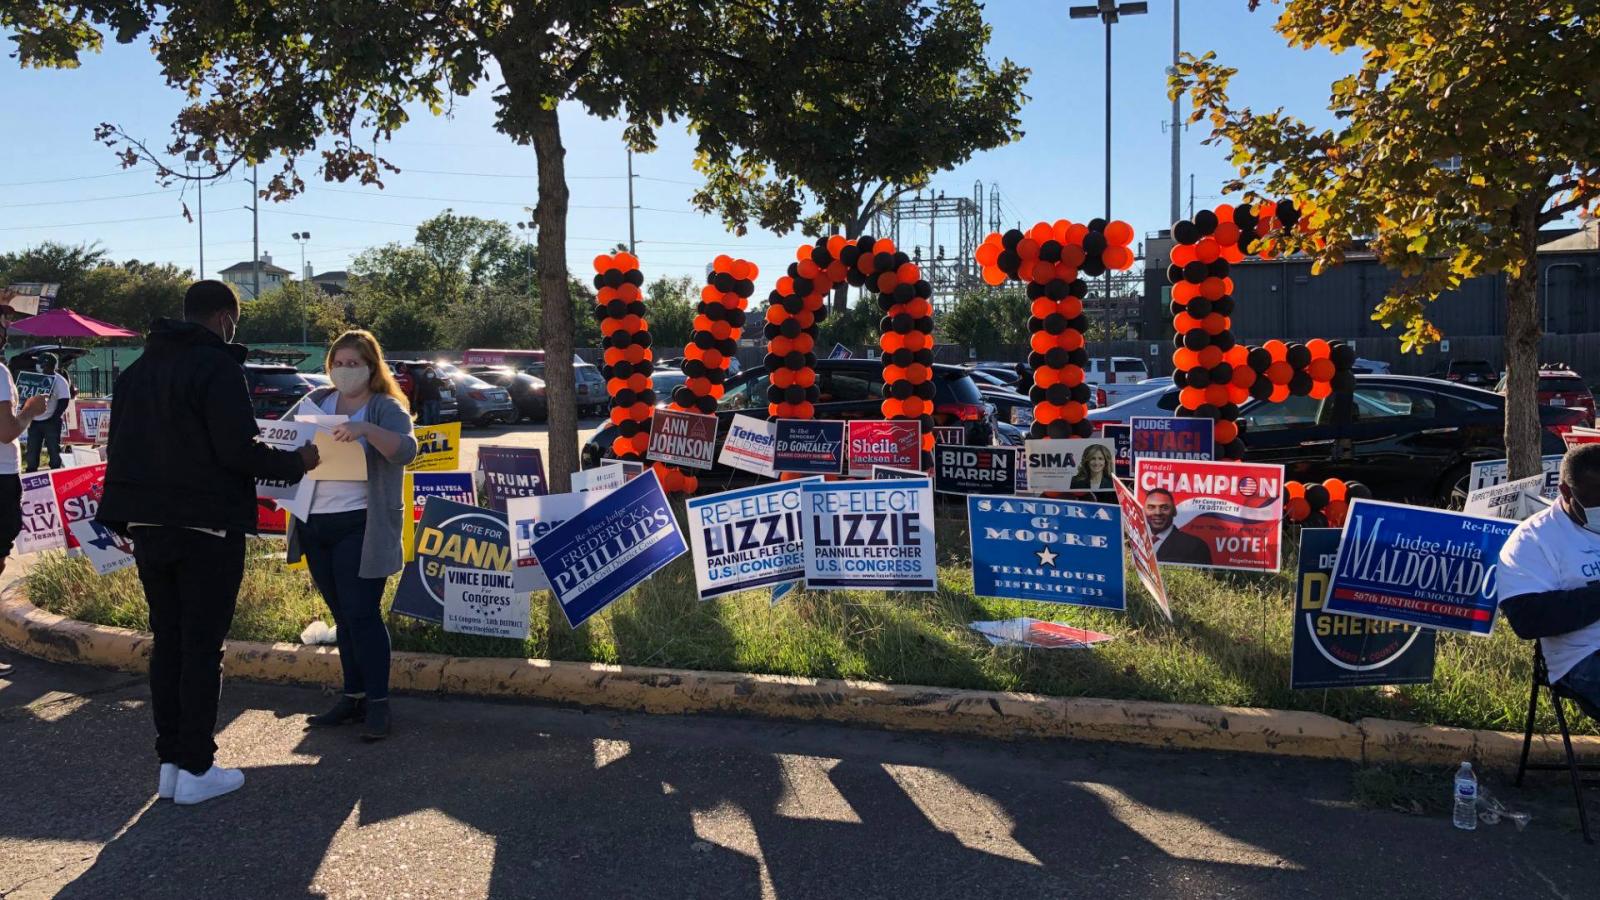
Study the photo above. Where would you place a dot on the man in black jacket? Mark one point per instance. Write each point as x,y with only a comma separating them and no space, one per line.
181,469
1548,581
1172,545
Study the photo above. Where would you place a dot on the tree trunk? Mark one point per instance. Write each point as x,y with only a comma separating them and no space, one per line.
1522,431
550,216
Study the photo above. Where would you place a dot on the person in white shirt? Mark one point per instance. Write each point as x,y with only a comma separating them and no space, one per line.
12,423
44,433
1548,582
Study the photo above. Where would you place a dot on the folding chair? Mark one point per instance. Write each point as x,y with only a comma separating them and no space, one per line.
1541,676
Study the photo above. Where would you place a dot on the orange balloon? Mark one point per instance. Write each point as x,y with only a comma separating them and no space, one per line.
890,408
1294,490
1045,413
987,254
1118,259
641,442
1279,373
1073,411
1279,394
1337,489
1278,350
1320,369
1320,390
1070,307
1210,357
1185,359
1225,432
993,277
1191,398
1217,394
621,446
1119,233
1183,254
1071,375
1207,250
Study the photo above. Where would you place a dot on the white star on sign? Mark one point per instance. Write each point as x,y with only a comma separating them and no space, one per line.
1047,557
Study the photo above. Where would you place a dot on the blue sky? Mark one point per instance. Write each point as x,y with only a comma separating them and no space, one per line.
57,183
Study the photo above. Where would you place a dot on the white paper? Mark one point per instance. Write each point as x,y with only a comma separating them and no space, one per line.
484,602
287,435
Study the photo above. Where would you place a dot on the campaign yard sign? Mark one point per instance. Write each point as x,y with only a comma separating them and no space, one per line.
438,447
87,422
33,384
288,496
484,602
77,496
417,488
949,434
1334,651
1058,551
506,472
451,536
1504,501
749,538
1121,438
880,473
749,445
41,518
602,552
1487,473
840,351
107,550
1162,437
683,438
605,477
1142,548
874,442
809,446
1213,515
1054,464
1420,566
534,517
974,470
876,535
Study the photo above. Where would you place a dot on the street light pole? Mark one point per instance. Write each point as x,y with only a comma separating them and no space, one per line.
630,204
1109,12
305,313
255,237
200,185
1177,144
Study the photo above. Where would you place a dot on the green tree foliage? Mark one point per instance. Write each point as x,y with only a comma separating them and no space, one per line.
987,321
856,328
489,317
131,294
871,99
1504,90
281,316
672,303
52,262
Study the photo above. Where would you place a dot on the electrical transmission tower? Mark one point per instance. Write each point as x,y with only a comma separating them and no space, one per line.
942,234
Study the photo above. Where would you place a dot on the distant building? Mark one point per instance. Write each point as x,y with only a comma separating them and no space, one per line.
242,276
333,282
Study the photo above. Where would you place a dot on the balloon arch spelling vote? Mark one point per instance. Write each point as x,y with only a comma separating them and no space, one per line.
1214,372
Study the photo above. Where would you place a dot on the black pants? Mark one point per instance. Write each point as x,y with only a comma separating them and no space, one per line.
191,582
44,434
10,513
331,543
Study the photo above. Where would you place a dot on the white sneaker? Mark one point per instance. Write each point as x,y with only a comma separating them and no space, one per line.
168,782
214,783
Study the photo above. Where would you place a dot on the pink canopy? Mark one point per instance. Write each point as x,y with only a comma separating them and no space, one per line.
64,323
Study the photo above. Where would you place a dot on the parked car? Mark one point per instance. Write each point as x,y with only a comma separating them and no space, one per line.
1008,374
1364,366
676,362
1115,379
590,384
1560,386
316,380
527,392
1005,400
1476,372
480,402
850,389
1405,437
274,389
407,371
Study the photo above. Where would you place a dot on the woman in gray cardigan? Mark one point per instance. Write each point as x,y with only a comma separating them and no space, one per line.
351,538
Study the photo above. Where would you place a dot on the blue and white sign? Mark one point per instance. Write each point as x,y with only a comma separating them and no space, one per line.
809,446
602,552
534,517
1491,472
876,535
1421,566
1058,551
749,538
1121,437
1161,437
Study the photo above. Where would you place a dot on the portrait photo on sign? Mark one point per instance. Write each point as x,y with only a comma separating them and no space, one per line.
1213,515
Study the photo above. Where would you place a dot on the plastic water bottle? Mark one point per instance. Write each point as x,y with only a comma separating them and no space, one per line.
1466,793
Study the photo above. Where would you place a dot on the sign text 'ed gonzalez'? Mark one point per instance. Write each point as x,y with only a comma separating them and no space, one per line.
870,534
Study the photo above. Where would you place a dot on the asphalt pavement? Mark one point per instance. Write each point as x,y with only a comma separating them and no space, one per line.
478,798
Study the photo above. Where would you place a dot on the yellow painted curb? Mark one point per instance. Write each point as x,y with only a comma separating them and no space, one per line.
899,707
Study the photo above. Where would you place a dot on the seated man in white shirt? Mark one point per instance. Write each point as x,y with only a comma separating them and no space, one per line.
1549,579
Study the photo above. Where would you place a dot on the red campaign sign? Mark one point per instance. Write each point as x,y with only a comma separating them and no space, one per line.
88,420
1213,515
683,438
269,518
78,493
1142,546
1578,439
873,442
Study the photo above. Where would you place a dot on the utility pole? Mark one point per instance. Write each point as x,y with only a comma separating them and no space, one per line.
200,185
1177,145
255,236
631,207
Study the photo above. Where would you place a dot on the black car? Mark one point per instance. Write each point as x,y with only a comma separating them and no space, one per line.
527,392
1407,438
850,389
274,389
1476,372
1005,400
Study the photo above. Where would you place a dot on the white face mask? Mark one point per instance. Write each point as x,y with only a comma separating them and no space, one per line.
1591,515
351,379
